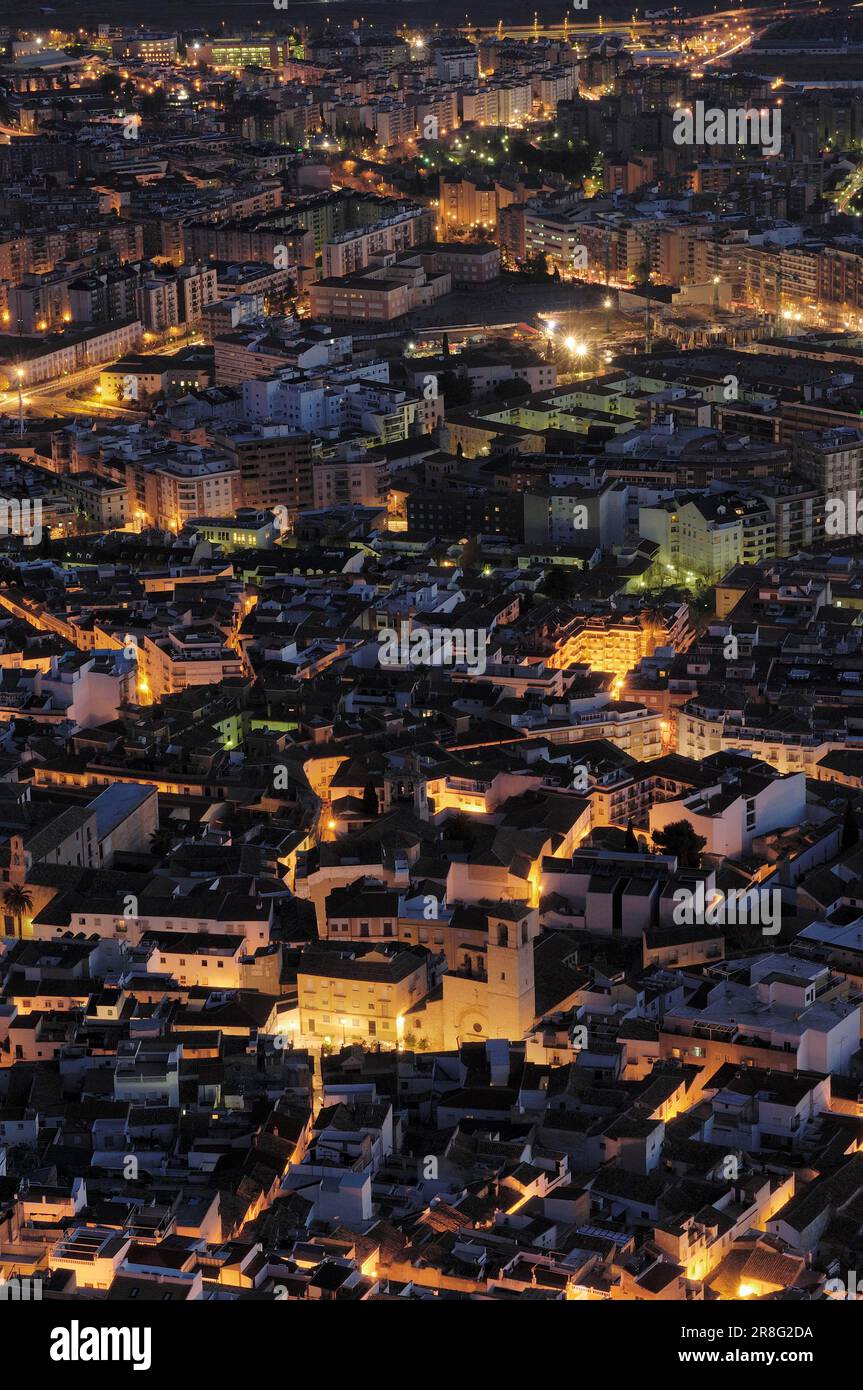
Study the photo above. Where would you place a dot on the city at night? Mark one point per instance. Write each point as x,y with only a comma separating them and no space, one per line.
431,674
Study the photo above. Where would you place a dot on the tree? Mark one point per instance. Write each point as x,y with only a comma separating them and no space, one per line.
154,103
459,826
20,1159
162,841
559,582
534,268
513,390
456,390
18,901
631,843
850,833
680,838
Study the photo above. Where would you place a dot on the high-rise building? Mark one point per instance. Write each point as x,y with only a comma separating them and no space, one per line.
275,466
829,458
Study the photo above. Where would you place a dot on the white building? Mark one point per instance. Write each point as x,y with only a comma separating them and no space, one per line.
739,807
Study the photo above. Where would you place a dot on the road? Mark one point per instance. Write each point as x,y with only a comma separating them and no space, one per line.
49,398
851,190
760,14
52,398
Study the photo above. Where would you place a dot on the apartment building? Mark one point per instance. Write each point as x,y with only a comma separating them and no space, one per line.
274,465
708,535
360,993
737,808
357,478
196,288
40,304
186,657
704,728
467,263
555,230
49,359
183,489
831,459
501,103
354,249
790,1016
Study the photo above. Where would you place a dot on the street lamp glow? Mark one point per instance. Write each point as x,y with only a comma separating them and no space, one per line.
551,325
570,344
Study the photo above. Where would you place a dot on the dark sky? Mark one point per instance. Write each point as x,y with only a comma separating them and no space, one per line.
245,13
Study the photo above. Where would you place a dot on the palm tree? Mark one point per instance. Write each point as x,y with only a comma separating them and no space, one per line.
162,841
18,901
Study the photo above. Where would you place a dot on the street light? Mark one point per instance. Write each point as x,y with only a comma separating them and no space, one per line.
19,372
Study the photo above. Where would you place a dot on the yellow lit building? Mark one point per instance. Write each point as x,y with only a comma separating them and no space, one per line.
360,994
